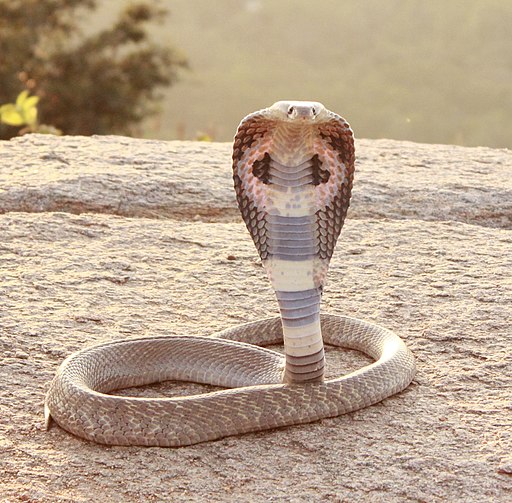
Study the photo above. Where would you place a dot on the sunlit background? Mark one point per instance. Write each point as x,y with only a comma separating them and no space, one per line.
431,71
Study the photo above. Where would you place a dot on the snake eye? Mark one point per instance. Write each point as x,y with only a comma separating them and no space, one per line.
290,111
313,111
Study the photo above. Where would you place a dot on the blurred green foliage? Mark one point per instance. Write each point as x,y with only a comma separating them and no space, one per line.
432,71
105,82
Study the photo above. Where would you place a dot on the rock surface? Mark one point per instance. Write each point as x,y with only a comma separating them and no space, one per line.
107,237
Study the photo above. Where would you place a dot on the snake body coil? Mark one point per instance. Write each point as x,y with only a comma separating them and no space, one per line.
293,167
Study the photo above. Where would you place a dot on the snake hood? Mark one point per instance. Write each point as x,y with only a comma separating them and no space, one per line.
294,160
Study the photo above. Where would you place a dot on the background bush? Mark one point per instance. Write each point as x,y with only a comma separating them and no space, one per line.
102,83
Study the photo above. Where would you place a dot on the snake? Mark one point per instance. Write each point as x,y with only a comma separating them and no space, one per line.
293,170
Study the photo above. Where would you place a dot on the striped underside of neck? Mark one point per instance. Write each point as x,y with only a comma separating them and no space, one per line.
294,266
303,343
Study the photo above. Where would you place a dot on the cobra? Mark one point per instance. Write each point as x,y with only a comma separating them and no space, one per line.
293,166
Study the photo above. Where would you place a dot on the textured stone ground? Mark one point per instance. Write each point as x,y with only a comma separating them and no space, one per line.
107,238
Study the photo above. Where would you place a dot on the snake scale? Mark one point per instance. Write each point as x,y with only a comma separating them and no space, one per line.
293,166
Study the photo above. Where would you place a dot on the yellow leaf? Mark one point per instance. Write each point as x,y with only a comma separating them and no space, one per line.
11,116
31,101
21,98
30,116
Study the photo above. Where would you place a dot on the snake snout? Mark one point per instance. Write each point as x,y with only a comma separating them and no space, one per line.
303,113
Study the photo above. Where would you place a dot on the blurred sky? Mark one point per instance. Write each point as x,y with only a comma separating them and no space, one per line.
429,71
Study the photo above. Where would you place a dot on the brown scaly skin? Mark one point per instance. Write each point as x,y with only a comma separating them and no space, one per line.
278,152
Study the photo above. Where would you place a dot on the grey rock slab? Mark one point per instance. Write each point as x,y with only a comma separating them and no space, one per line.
426,251
157,179
68,281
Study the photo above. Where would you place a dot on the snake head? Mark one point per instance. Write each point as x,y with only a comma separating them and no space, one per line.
303,111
